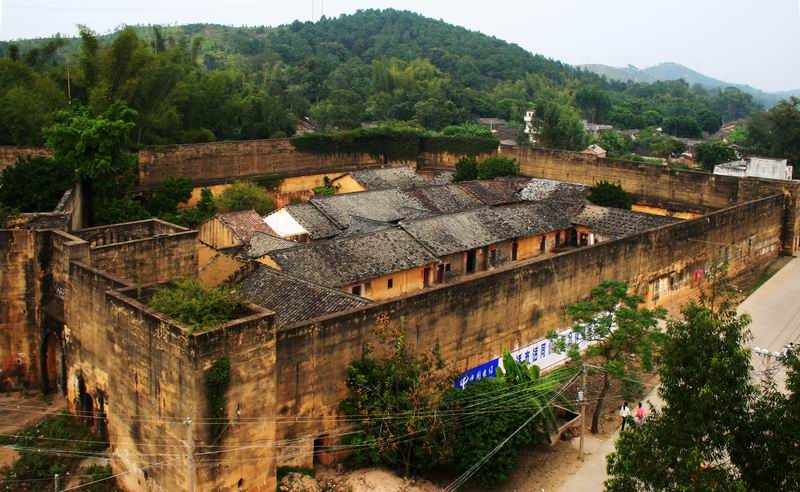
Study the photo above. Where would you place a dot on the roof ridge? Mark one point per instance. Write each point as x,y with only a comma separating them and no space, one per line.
301,280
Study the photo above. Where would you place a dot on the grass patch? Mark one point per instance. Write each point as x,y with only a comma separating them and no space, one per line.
194,305
55,445
285,470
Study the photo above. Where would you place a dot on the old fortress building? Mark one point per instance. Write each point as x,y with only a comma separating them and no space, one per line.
477,267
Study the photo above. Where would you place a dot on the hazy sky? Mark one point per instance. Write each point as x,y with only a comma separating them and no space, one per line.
755,42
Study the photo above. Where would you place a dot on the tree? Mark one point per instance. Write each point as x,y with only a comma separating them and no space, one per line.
776,133
245,195
97,147
524,402
406,385
173,191
714,152
344,109
682,126
613,142
706,386
35,184
435,114
708,120
621,333
610,195
560,127
595,103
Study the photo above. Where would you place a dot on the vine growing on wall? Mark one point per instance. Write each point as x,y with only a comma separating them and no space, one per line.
393,142
218,379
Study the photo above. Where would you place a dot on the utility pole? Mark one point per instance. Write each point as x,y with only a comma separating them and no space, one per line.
189,454
55,485
69,85
582,398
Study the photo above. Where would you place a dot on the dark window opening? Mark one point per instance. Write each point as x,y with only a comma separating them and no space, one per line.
390,283
542,243
472,261
356,290
493,257
514,251
440,274
426,277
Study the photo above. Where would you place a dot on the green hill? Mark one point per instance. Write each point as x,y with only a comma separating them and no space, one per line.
204,82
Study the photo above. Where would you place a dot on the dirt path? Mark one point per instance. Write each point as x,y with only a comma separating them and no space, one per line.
20,412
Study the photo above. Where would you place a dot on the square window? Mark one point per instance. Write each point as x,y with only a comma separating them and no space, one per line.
356,290
390,283
447,267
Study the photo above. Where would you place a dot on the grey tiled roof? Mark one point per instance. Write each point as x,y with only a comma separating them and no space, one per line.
312,220
393,177
617,222
444,177
544,190
360,225
382,205
294,300
339,262
497,191
262,243
446,199
448,234
244,224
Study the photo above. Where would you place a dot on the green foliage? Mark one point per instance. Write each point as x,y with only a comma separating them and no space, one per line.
286,470
714,152
62,432
100,474
776,133
610,195
218,378
404,384
519,393
392,142
560,127
682,126
622,334
467,130
95,145
35,184
245,195
114,210
193,217
707,389
271,183
173,191
615,143
466,170
327,189
496,166
192,304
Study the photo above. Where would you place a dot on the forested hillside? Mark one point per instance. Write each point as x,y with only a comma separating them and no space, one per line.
205,82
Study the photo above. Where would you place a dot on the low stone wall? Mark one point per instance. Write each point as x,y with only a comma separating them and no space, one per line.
9,155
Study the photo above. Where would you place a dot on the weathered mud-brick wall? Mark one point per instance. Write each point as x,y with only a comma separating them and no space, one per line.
143,374
9,155
225,161
20,294
474,320
660,186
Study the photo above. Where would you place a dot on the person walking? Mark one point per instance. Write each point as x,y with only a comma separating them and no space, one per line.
640,414
624,412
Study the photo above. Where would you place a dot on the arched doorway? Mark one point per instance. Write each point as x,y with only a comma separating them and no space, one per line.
53,365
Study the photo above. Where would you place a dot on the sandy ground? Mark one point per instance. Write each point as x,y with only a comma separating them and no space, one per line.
19,412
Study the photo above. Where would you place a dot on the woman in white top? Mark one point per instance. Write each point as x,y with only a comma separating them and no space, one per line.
624,412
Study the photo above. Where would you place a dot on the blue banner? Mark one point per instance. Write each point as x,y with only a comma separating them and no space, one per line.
487,370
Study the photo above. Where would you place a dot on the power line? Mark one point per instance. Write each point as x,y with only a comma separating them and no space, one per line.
155,8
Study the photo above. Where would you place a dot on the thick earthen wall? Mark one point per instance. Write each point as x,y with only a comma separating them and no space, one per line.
474,320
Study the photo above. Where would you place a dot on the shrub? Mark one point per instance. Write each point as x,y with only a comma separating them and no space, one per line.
496,166
245,195
466,170
175,190
611,195
194,305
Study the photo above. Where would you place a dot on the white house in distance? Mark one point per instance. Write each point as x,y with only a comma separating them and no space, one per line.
756,167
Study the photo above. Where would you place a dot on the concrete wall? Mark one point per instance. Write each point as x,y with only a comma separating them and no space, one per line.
222,161
476,318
